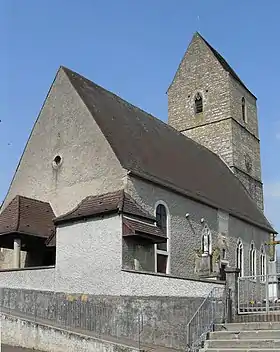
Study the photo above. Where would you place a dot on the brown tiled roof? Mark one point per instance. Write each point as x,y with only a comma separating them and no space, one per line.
155,151
224,64
145,230
118,201
27,216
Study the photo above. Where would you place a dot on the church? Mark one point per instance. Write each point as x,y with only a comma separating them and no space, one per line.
104,187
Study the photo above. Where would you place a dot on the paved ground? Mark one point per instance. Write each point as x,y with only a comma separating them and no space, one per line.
5,348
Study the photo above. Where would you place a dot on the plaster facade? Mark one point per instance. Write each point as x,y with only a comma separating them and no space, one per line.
220,126
89,260
65,128
36,279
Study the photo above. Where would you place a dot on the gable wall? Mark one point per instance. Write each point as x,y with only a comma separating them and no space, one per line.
66,128
89,167
185,234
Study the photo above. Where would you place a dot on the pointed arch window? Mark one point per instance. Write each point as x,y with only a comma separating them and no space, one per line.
244,111
252,261
263,264
198,102
206,241
240,257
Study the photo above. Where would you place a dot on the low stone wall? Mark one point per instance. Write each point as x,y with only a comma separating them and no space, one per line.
37,278
24,333
155,320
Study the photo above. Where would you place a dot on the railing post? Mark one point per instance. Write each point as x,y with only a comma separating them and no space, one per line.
232,275
267,294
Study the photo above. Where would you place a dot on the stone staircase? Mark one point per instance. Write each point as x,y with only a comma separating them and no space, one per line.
244,337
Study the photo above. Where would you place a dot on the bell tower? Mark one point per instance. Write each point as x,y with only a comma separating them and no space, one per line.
210,104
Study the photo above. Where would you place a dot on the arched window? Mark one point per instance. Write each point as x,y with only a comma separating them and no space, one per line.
244,112
263,264
161,218
162,249
198,103
206,241
239,257
252,260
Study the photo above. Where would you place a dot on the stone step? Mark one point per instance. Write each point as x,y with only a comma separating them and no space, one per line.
248,326
245,335
247,344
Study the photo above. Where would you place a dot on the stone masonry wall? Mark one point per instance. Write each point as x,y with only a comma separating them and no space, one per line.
200,72
220,127
253,187
237,92
185,233
246,144
219,138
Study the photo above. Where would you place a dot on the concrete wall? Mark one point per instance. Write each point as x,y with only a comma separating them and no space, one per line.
36,278
185,234
108,316
23,333
89,260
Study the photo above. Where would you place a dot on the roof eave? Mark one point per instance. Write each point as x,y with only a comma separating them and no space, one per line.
63,221
201,199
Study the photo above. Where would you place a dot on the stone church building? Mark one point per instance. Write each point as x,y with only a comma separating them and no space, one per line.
102,186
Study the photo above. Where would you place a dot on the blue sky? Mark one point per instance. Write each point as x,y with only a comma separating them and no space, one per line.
133,47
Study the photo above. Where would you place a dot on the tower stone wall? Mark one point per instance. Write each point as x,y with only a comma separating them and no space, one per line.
223,126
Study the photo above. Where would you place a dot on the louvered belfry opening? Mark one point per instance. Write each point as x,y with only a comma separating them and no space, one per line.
198,103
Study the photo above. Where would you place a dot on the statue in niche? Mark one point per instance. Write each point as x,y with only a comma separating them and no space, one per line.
206,241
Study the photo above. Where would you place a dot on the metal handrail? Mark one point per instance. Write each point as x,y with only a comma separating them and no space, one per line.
198,309
191,345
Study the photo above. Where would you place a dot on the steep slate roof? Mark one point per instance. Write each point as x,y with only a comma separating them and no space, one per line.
118,201
153,150
27,216
224,64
